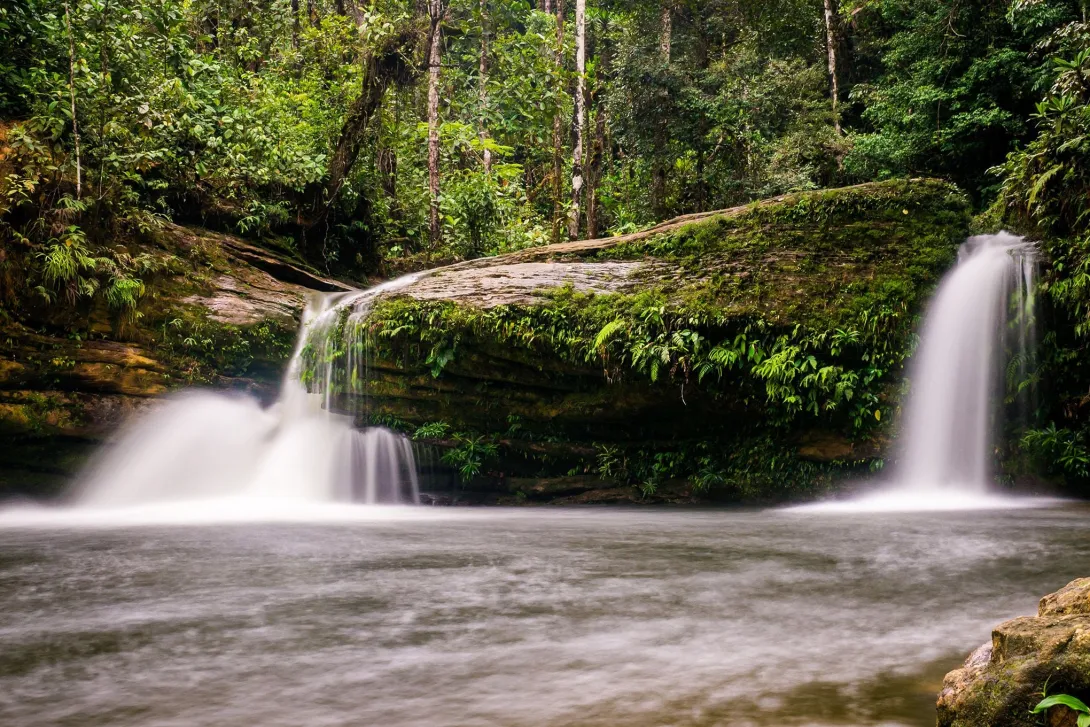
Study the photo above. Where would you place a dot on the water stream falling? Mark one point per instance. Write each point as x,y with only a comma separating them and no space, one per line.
980,319
982,307
216,447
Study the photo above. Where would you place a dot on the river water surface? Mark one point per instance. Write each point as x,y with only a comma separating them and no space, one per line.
517,618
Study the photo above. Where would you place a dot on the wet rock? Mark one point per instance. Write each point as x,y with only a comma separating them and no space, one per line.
1002,681
821,446
223,314
435,500
511,348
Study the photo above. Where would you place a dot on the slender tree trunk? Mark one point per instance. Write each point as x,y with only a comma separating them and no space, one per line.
558,141
104,79
72,95
594,170
547,6
483,81
295,24
579,119
435,13
658,170
667,32
596,161
830,45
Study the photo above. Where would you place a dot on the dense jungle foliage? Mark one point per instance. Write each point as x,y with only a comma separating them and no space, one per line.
368,138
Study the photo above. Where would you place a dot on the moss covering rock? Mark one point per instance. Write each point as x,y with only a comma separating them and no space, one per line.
212,310
753,353
1004,679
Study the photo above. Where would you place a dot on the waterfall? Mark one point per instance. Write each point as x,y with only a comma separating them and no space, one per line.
203,445
977,341
983,305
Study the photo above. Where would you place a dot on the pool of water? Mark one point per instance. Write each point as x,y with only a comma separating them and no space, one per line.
526,617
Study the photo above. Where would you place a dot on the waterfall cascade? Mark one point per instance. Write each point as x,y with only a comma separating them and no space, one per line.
980,319
209,445
983,307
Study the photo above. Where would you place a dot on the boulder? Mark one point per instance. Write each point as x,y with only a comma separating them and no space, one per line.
1003,680
752,352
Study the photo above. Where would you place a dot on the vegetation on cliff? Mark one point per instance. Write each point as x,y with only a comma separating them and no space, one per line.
736,336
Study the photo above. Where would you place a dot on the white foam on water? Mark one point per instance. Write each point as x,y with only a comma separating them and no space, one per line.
213,511
204,456
905,500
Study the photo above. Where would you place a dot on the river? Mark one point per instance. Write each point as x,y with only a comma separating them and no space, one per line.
522,617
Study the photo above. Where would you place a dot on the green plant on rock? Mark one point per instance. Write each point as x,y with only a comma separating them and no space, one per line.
470,455
1060,450
432,430
1076,705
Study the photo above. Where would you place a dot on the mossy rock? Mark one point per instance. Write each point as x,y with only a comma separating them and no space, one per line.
1003,680
714,349
218,312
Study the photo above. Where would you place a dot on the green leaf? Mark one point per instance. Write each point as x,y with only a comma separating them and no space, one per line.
1064,699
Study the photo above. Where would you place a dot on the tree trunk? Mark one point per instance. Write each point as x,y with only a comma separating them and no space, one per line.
435,14
830,45
594,169
667,33
382,67
295,24
558,143
483,81
578,121
349,9
598,145
72,95
658,170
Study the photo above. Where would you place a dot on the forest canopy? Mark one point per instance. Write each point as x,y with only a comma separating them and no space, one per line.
370,135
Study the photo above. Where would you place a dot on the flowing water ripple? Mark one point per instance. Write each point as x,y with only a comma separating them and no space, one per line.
523,618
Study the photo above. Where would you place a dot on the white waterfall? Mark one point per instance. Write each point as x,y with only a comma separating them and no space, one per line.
978,328
957,374
209,446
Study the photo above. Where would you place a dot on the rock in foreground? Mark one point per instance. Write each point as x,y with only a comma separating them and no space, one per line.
1002,680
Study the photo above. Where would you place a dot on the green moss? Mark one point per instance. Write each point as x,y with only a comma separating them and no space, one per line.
203,349
747,329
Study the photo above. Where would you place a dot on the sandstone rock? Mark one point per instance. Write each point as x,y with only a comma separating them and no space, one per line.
1002,681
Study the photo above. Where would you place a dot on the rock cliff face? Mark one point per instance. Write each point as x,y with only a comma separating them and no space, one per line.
1002,680
751,353
218,312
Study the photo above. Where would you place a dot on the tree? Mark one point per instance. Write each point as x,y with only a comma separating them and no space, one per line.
437,10
830,50
558,142
598,145
486,155
579,120
666,38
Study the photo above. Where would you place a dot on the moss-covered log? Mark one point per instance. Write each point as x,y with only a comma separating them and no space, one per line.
753,353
